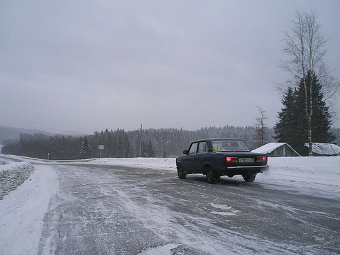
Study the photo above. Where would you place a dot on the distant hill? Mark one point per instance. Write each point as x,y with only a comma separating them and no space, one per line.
12,133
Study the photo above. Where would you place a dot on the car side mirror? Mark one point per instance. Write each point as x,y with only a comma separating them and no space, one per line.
186,152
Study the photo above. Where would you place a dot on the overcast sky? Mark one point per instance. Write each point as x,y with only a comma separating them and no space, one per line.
91,65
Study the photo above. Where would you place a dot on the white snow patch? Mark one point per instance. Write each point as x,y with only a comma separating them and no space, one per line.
164,250
227,210
149,163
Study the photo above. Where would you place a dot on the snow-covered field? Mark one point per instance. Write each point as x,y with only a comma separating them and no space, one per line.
22,210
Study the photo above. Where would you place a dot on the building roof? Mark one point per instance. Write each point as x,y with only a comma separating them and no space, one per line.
270,147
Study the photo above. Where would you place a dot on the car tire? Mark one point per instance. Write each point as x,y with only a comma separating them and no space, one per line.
249,177
181,173
212,177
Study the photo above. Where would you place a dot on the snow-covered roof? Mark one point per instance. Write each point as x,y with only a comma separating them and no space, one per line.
325,148
270,147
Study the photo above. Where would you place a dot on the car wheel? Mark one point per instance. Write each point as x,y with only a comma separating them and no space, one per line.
249,177
181,173
212,177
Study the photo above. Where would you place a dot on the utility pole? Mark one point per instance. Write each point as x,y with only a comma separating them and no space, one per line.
140,140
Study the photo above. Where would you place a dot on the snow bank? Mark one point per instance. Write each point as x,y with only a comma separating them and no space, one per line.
22,212
13,174
318,176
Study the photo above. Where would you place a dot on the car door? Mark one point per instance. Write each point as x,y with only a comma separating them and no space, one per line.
200,157
188,162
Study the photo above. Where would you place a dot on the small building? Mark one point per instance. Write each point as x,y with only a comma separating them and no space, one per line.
324,149
277,150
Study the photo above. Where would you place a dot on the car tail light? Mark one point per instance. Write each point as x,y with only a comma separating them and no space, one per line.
232,159
261,159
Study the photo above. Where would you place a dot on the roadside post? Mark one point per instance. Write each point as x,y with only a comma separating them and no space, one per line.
100,148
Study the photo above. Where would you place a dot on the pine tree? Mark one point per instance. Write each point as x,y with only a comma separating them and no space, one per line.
128,150
287,129
293,126
321,118
151,150
85,148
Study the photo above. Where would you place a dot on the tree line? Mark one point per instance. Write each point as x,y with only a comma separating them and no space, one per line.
128,144
122,144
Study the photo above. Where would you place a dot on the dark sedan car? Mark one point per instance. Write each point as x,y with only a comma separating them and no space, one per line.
221,156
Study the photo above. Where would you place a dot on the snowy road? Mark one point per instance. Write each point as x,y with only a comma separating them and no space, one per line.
103,209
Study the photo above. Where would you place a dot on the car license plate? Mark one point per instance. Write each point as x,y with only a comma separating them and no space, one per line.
246,160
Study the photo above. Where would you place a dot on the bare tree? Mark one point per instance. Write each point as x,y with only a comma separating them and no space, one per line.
306,47
260,135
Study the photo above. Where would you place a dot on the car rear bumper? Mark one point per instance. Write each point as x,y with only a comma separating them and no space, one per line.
241,170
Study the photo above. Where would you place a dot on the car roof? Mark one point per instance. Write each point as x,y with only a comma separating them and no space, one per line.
217,139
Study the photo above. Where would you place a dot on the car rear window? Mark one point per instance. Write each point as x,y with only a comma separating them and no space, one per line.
230,145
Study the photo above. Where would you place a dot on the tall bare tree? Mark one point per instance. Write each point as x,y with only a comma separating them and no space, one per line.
305,46
260,135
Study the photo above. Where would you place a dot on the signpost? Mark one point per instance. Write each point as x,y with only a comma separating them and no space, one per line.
100,148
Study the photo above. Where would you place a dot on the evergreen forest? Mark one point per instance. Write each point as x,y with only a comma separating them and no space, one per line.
123,144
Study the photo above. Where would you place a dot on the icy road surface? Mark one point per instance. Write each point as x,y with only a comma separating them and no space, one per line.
120,210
